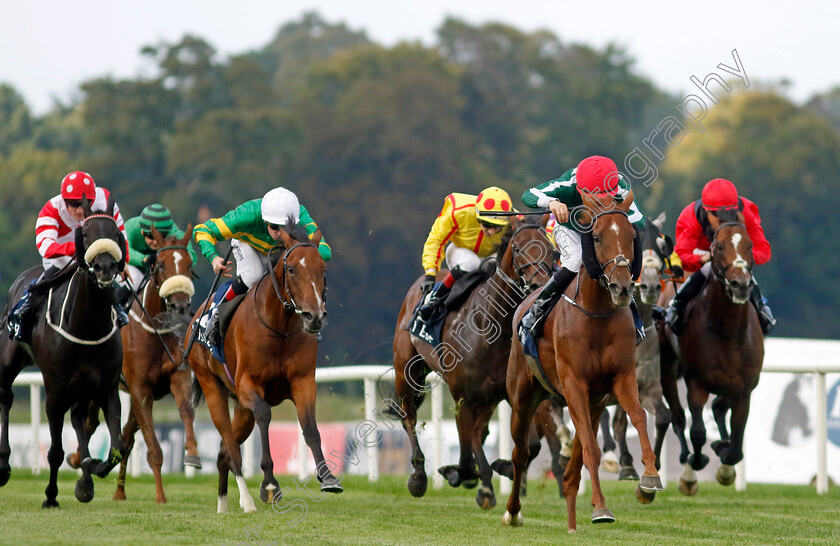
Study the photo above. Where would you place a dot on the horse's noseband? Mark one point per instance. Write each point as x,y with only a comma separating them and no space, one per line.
99,246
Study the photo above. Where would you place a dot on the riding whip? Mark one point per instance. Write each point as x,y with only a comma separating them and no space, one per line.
194,332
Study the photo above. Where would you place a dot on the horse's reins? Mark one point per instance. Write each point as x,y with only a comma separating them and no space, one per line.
517,268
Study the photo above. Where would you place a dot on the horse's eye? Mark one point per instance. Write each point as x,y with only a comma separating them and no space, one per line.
719,247
289,269
596,238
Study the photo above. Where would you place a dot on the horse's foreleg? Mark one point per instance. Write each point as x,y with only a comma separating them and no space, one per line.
672,397
78,418
663,419
407,397
465,420
735,452
486,497
55,455
142,400
303,395
720,406
129,430
179,386
6,398
609,460
523,408
111,408
697,397
91,424
626,391
625,458
549,431
262,414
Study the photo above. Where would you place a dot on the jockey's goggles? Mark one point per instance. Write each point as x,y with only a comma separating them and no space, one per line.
274,227
73,203
490,225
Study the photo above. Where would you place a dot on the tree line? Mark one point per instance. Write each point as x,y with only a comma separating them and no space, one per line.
372,138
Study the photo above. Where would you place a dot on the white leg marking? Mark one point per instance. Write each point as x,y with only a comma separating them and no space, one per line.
221,505
245,499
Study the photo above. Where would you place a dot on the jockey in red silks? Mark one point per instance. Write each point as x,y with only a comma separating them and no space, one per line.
55,235
694,236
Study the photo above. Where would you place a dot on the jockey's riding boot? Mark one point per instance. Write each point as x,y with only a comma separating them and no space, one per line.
432,302
122,299
19,321
557,284
675,312
637,322
212,330
765,314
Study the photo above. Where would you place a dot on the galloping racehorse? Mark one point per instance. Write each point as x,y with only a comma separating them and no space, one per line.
270,349
721,352
152,352
587,353
472,355
655,252
76,345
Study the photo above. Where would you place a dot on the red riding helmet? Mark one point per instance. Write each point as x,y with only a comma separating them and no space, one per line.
719,194
78,184
597,175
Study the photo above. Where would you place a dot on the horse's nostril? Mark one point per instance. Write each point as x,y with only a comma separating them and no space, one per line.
306,315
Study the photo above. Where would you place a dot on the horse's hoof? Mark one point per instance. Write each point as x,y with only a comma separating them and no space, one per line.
609,463
644,497
603,515
513,521
193,461
719,445
119,495
74,460
267,492
50,504
698,461
469,484
5,474
503,467
688,488
725,474
84,490
651,483
485,498
417,485
628,473
331,485
453,477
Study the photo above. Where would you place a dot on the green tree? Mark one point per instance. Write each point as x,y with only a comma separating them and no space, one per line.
15,121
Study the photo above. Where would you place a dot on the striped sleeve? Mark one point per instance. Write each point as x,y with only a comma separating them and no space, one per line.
562,188
46,234
206,235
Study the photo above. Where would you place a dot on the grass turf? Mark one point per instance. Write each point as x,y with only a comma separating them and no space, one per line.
385,513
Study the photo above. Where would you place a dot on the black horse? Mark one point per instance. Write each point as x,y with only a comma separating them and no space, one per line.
77,346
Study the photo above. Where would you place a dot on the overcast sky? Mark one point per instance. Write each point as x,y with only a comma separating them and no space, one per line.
48,47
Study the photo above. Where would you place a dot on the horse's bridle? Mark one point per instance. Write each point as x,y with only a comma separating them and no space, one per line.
88,267
154,269
289,303
618,261
721,275
523,283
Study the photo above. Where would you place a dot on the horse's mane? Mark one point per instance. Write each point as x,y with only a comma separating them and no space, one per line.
295,230
503,244
728,215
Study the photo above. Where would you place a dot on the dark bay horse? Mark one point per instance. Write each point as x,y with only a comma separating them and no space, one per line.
587,353
720,352
76,345
270,349
472,355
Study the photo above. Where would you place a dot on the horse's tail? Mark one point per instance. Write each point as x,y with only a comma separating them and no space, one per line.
196,394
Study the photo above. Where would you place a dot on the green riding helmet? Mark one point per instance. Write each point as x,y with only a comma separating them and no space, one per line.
156,215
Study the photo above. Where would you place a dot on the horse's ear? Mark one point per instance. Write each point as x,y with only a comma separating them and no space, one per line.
714,221
288,242
315,238
515,223
109,208
544,220
157,236
185,240
80,246
660,220
85,206
626,202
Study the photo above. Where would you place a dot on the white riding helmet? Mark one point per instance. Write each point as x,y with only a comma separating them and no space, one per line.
278,204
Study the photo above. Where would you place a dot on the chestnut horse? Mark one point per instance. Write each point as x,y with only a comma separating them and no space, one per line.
152,352
587,353
472,355
721,352
655,253
77,347
270,349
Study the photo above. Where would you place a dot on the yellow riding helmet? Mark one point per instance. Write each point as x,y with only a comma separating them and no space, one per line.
493,199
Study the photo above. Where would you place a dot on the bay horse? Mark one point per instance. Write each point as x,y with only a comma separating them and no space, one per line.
472,355
720,352
76,345
152,354
270,348
587,354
